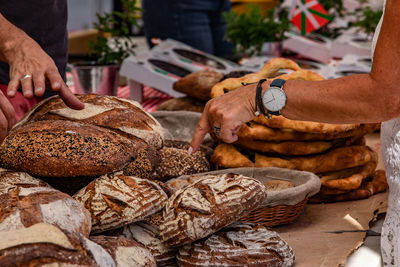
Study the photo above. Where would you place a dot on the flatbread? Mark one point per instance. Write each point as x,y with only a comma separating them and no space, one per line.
304,126
227,156
348,179
334,160
256,131
372,185
268,70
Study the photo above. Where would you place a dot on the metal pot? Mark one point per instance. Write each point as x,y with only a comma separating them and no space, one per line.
97,79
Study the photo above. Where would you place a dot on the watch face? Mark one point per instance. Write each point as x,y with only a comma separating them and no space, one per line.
274,99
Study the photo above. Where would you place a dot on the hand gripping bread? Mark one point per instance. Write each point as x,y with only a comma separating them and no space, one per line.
121,115
125,252
240,244
149,236
24,203
115,200
206,206
66,149
46,245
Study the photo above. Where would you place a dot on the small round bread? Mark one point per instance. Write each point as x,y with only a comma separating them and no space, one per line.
175,160
209,204
277,185
240,244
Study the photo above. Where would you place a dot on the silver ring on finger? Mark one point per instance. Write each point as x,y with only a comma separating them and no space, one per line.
217,130
26,76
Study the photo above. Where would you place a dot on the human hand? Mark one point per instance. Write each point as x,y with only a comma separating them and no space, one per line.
7,116
32,69
227,112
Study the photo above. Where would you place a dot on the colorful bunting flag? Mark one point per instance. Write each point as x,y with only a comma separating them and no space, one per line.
308,15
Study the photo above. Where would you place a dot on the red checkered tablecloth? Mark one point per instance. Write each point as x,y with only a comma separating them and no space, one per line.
152,98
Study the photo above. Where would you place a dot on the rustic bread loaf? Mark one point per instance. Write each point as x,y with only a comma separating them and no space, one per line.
46,245
126,252
149,236
121,115
65,149
175,160
25,204
198,84
206,206
239,244
10,180
115,200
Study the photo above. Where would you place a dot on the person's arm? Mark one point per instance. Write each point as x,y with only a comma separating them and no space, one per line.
372,97
26,57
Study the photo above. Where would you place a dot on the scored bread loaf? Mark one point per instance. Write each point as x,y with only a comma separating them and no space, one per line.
149,236
126,252
66,149
124,116
240,244
46,245
175,160
115,200
25,204
209,204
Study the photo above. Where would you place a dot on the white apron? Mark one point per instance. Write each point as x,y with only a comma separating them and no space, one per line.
390,143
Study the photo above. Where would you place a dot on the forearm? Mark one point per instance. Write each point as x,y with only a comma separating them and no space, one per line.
352,99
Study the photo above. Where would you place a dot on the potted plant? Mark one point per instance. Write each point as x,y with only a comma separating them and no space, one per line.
251,31
100,73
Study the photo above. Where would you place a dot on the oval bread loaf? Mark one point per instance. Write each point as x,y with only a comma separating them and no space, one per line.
25,203
240,244
209,204
121,115
126,252
115,200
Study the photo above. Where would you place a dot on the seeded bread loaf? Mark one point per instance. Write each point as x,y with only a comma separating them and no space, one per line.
115,200
240,244
149,236
124,116
175,160
25,204
126,252
209,204
46,245
66,149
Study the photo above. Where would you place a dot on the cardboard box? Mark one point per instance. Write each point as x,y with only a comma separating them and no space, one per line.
315,47
192,58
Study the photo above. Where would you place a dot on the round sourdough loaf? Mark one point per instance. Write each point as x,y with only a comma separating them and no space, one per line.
240,244
124,116
46,245
149,236
125,252
209,204
26,202
115,200
175,160
66,149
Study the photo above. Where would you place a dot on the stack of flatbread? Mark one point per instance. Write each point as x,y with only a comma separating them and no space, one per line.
335,152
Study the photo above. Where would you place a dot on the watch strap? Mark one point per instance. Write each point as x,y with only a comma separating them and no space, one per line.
277,83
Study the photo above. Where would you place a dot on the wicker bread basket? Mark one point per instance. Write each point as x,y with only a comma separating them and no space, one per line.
279,207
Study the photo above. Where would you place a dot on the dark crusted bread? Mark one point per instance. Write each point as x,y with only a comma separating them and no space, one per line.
240,244
209,204
67,149
124,116
182,103
46,245
115,200
175,160
149,236
126,252
198,84
25,202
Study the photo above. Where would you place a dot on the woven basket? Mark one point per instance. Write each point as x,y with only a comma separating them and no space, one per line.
279,207
277,215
